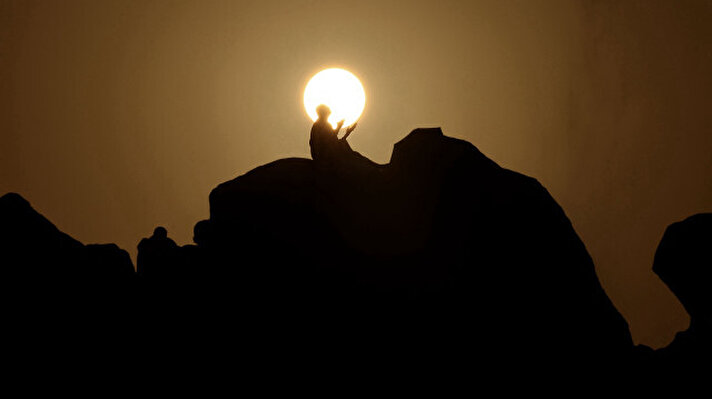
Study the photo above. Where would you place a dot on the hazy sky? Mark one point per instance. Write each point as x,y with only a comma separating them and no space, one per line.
118,116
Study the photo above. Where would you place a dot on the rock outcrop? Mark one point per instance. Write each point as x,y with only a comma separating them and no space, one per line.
441,246
438,257
46,269
683,261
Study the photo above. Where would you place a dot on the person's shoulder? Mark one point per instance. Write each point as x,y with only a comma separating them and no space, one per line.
144,242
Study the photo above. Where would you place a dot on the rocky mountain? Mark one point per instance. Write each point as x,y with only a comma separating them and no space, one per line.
438,257
441,246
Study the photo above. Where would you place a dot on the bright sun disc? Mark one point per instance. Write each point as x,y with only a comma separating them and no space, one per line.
340,90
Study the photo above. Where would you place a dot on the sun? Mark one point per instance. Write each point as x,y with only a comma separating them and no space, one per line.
340,90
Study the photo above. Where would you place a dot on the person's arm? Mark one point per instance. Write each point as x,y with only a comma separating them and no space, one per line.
338,127
349,130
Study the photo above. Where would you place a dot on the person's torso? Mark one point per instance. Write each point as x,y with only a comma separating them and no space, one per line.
323,139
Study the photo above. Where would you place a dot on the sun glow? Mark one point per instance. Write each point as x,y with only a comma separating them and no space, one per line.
340,90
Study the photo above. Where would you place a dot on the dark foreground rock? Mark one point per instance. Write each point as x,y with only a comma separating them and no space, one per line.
440,250
61,299
436,260
47,265
683,261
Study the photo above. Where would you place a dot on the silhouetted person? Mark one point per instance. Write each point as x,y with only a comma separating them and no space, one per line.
201,232
156,254
683,261
324,139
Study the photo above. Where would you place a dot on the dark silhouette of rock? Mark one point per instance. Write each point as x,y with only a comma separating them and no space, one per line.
108,266
31,244
62,298
441,249
41,259
437,259
683,261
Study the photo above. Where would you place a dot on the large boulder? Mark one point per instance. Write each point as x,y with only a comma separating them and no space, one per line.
45,268
440,249
683,261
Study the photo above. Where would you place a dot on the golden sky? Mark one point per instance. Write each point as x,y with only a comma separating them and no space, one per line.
118,116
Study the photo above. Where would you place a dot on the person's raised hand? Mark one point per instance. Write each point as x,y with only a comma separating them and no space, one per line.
351,128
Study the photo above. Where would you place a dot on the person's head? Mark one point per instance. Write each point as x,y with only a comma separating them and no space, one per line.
323,111
160,232
683,261
201,231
